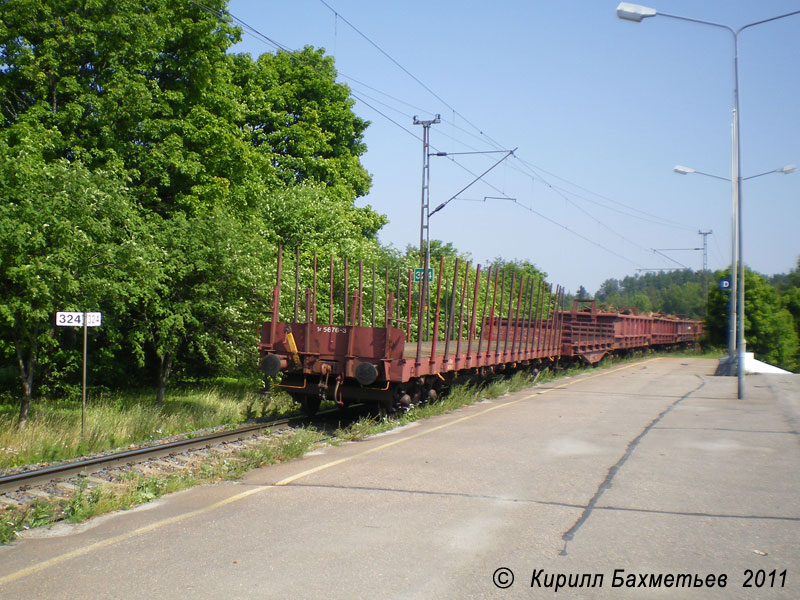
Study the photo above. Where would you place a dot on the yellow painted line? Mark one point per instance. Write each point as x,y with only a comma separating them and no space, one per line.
283,482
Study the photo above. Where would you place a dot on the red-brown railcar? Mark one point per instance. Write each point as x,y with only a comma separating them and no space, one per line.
399,343
406,349
591,334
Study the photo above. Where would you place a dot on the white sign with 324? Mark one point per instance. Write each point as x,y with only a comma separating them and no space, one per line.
75,319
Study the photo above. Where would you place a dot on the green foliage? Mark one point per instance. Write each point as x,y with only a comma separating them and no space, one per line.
300,121
68,241
148,174
770,329
788,287
313,218
208,286
790,300
145,84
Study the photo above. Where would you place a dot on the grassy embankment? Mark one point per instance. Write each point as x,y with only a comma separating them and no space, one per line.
122,419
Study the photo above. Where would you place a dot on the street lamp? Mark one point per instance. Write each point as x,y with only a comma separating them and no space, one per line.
682,170
635,13
785,170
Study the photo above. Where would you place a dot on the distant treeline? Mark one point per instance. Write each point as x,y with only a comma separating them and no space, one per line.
675,292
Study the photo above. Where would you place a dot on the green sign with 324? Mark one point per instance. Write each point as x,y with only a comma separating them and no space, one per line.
418,275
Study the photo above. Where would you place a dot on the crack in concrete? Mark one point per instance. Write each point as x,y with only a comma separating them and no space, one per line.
569,535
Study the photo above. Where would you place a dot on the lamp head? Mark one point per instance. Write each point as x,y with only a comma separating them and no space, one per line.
681,170
634,12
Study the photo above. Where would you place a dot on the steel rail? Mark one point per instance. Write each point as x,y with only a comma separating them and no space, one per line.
7,481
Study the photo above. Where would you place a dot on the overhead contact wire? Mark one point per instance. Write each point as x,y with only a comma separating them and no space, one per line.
279,46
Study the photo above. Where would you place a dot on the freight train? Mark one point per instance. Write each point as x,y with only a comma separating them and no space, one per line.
404,341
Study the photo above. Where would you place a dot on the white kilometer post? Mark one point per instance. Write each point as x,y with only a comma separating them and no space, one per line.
85,320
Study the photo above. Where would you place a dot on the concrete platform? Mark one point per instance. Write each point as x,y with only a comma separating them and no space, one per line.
652,468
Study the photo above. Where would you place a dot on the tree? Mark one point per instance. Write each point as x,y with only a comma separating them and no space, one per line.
147,84
67,242
608,290
225,157
676,292
309,216
209,288
769,329
300,121
788,287
790,301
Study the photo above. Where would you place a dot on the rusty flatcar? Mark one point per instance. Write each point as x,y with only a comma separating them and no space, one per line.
401,341
590,334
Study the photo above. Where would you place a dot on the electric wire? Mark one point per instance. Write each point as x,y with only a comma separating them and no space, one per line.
359,97
720,255
258,34
560,191
497,145
387,117
573,232
666,222
406,71
391,97
592,217
669,258
616,210
229,17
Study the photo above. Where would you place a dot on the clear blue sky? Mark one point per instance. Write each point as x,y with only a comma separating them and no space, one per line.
600,110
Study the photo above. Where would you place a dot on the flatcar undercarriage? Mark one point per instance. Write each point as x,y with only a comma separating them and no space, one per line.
396,397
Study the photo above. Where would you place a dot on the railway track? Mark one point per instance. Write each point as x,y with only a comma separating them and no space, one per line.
60,480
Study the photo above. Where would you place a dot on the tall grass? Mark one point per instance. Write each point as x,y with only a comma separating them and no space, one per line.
53,431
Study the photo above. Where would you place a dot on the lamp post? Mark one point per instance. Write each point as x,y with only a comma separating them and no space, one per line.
681,170
635,13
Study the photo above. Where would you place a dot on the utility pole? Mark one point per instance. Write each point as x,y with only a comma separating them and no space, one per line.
705,235
426,212
424,229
